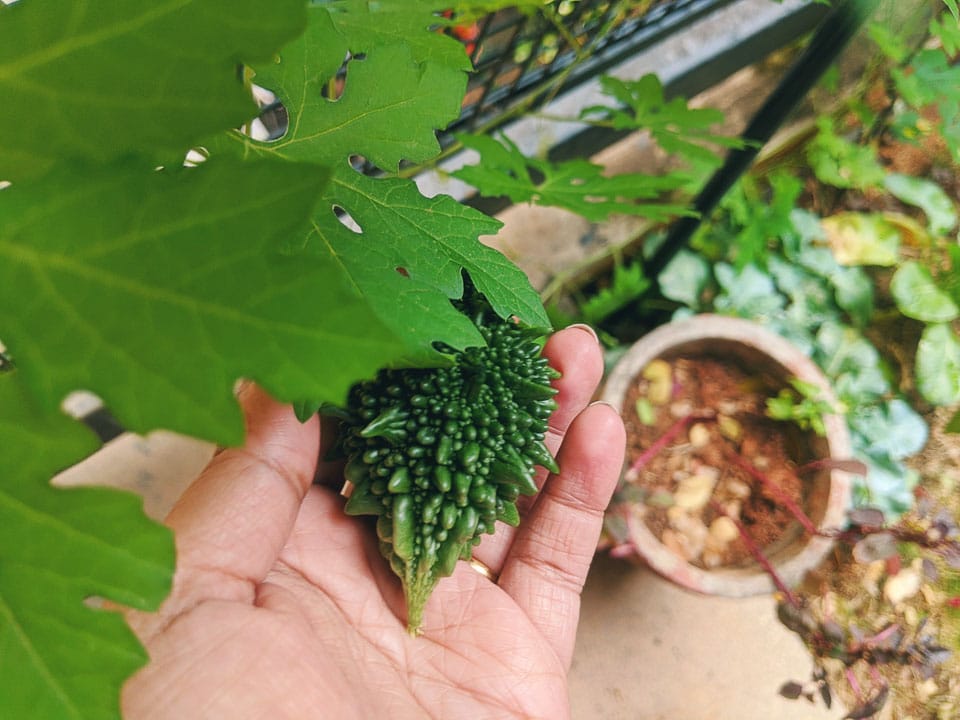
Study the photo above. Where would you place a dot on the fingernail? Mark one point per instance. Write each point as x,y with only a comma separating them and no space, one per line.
604,402
240,386
587,328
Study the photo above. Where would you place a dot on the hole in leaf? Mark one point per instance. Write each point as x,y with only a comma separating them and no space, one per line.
81,403
4,184
346,219
273,121
6,362
357,162
332,90
360,164
195,156
89,409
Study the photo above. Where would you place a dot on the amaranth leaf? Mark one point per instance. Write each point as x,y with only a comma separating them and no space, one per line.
576,185
61,657
157,290
102,79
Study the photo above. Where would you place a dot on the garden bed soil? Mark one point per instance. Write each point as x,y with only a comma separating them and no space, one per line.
701,484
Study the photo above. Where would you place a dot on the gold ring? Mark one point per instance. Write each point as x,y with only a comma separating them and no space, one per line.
483,570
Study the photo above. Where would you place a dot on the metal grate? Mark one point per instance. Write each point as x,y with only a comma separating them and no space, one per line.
521,60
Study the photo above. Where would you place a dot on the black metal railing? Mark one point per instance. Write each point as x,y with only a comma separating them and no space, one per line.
523,59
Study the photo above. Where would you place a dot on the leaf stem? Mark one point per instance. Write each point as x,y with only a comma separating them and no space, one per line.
775,490
758,555
669,435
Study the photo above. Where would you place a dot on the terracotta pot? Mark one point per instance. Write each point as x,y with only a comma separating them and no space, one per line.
769,354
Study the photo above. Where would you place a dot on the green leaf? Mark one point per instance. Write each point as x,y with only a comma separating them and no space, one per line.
575,185
839,162
394,95
757,216
947,31
157,290
432,241
888,485
852,363
918,296
748,292
890,42
862,238
363,25
926,195
853,291
891,428
685,278
63,658
926,77
101,80
938,365
680,130
952,7
629,284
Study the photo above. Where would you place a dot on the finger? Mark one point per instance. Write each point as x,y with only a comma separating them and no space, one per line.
551,554
232,522
576,354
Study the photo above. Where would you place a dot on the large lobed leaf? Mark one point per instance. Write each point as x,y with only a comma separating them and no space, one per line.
158,290
401,83
102,79
404,80
408,257
60,657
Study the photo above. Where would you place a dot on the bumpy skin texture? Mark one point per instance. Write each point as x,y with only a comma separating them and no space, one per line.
439,455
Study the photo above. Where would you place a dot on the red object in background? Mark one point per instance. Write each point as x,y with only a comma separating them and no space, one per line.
467,34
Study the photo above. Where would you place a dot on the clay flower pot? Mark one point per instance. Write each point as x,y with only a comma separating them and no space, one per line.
826,491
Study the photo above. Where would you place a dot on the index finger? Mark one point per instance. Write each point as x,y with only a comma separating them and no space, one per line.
232,522
576,354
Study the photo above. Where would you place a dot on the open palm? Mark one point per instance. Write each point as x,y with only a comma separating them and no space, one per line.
282,606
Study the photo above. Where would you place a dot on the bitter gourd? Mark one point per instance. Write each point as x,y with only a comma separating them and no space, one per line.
441,454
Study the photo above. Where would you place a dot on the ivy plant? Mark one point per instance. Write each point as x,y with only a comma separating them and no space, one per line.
156,285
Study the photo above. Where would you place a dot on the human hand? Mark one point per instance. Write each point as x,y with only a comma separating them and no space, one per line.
282,606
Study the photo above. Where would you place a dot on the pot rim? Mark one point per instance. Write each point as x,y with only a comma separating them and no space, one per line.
739,581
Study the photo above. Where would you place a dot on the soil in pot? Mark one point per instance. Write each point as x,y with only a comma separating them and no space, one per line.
708,464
